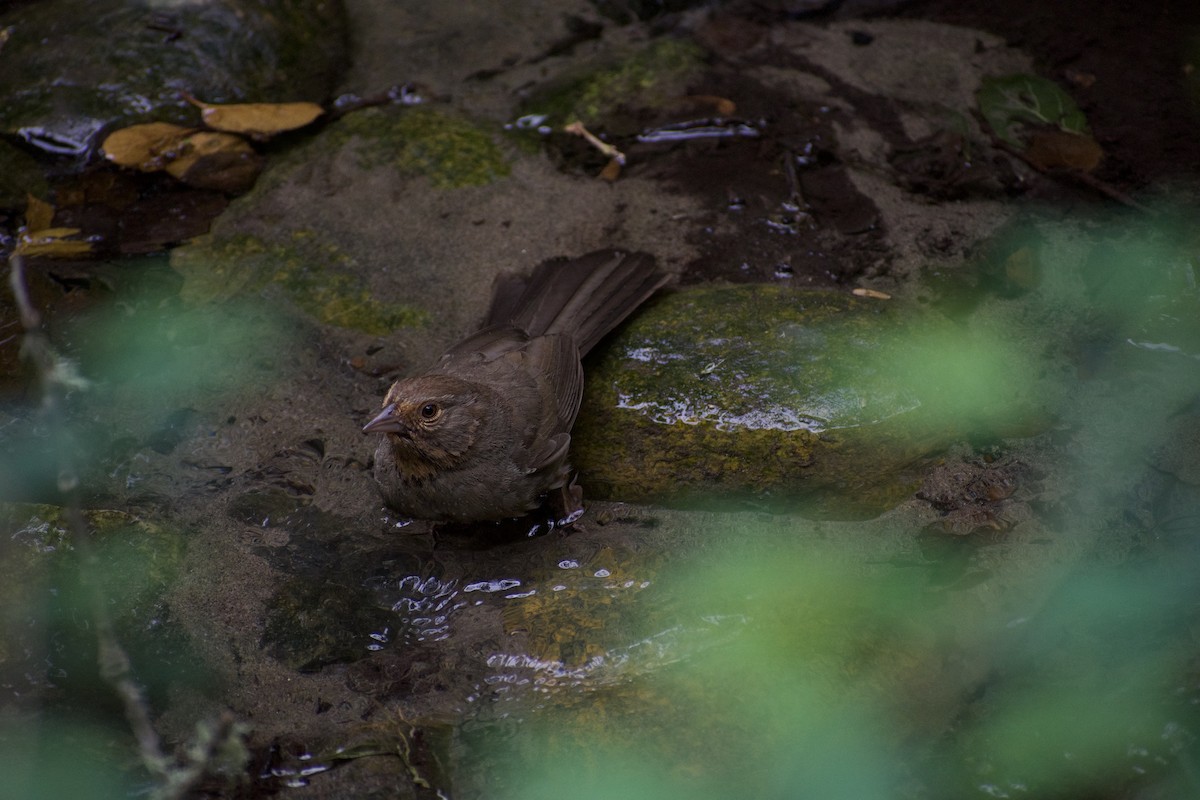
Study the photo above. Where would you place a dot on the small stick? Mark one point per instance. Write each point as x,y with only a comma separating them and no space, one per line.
605,148
1104,188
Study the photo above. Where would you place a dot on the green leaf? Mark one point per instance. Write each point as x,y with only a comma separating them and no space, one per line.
1007,102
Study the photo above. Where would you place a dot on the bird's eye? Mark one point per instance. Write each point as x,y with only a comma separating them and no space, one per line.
430,411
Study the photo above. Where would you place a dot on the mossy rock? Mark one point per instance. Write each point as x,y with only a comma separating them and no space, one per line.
317,275
75,68
647,78
442,145
788,400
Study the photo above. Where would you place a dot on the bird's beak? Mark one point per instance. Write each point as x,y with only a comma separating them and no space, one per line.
385,422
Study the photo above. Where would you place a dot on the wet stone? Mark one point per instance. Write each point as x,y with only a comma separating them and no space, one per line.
62,82
313,623
767,397
49,640
316,274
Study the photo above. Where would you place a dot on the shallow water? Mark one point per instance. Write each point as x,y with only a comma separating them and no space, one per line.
1023,625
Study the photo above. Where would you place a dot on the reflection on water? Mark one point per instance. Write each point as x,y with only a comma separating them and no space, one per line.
425,607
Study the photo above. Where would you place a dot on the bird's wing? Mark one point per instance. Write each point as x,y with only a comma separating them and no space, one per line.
586,297
551,379
554,363
485,345
551,454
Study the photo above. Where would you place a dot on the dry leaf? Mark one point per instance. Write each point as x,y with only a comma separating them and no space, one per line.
38,214
1084,80
611,171
256,120
874,294
148,147
52,243
206,143
53,233
214,160
1053,149
206,159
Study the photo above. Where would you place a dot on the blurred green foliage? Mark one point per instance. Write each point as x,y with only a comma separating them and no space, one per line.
1078,676
832,675
58,756
845,682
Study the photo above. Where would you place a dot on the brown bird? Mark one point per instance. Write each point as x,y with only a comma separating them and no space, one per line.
483,434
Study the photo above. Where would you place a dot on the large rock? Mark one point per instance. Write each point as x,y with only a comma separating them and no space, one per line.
789,400
73,69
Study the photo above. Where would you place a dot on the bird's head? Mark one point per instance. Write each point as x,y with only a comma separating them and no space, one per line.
433,419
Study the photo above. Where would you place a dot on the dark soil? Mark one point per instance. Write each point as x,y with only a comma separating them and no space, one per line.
1132,67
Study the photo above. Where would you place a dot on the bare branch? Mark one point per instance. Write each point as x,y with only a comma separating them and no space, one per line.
112,658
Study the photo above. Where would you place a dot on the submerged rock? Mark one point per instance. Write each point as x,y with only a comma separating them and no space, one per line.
49,640
788,400
73,69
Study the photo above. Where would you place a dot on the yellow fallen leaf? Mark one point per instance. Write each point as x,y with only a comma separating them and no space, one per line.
148,147
55,248
203,144
723,106
256,120
215,160
38,214
52,243
54,233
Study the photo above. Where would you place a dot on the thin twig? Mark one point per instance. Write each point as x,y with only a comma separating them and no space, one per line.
604,147
1094,183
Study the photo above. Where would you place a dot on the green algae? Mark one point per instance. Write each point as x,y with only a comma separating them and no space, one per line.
41,531
648,78
315,273
448,148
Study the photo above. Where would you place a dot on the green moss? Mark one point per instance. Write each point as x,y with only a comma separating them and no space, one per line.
648,78
760,394
314,273
446,147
